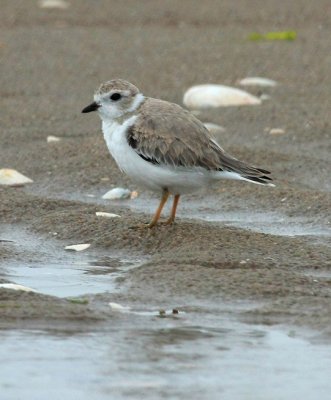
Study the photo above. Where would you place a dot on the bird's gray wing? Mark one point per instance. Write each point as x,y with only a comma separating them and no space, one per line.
166,134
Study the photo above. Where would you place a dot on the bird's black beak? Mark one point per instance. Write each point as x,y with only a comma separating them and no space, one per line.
91,107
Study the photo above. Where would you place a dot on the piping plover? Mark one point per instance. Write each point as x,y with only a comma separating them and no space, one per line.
162,146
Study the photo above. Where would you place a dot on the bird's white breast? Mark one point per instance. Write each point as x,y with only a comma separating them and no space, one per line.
127,159
116,140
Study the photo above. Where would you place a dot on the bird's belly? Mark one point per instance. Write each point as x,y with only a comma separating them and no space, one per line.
158,177
145,173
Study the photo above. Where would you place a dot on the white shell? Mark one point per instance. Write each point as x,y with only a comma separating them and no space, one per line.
257,81
51,139
117,193
13,286
107,215
208,96
11,177
214,128
78,247
54,4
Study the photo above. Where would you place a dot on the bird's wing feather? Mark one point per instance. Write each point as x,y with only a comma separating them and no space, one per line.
166,134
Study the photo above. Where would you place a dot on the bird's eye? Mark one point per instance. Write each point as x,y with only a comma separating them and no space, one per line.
115,96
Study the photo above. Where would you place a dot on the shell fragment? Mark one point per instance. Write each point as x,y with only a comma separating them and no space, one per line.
277,131
11,177
212,96
106,215
13,286
51,139
78,247
61,4
257,81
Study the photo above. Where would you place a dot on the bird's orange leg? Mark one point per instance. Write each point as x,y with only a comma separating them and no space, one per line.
157,215
172,217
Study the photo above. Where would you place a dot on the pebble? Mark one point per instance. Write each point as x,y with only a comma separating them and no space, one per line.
212,96
117,193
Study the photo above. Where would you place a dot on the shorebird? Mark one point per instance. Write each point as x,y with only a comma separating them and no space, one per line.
163,147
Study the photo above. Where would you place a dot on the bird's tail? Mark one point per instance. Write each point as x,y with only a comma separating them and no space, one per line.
235,169
260,177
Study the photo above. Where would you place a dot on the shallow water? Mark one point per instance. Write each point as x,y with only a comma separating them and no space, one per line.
71,278
151,357
62,273
204,350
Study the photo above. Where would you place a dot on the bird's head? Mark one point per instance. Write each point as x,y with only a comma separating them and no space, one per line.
114,99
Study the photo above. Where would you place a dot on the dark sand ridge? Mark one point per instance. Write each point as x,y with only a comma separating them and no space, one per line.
163,50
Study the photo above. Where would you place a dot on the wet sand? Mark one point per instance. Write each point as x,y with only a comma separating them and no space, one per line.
235,243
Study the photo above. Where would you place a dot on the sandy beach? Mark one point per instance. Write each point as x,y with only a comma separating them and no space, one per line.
258,255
